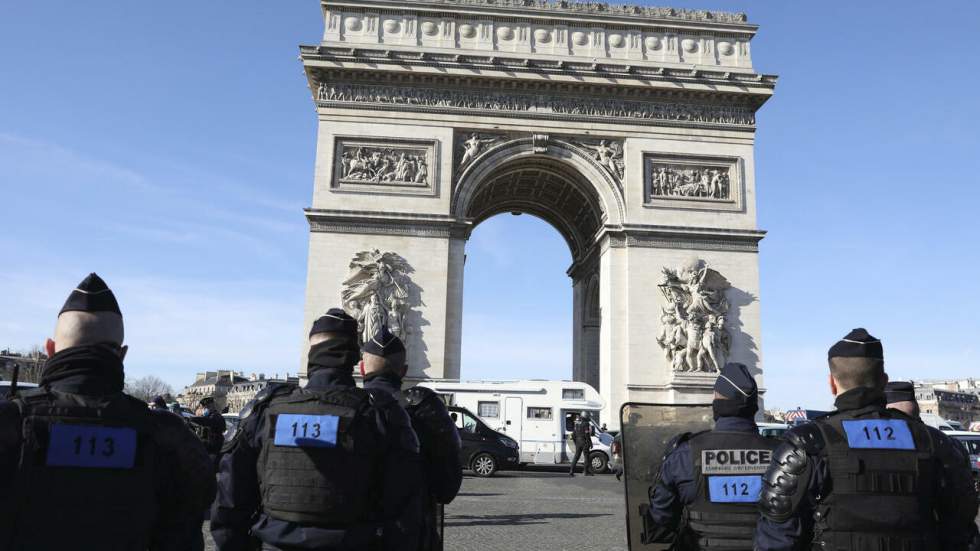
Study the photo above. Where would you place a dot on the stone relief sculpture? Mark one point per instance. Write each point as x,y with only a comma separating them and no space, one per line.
474,145
669,180
533,104
694,335
376,292
609,155
393,165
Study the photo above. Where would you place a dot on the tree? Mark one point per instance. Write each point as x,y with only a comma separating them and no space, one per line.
147,388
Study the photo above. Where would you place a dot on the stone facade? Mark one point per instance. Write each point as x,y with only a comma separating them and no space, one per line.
629,129
215,384
241,393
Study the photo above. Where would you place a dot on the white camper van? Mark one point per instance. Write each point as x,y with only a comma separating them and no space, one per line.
538,414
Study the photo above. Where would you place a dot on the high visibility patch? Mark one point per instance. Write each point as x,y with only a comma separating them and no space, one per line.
91,446
735,461
880,434
307,431
734,489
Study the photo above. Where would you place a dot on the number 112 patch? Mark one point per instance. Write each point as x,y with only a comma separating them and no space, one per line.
880,434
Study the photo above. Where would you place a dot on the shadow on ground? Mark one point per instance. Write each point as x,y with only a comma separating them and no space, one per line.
515,520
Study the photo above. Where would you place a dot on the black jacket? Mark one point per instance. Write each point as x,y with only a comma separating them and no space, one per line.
92,377
237,519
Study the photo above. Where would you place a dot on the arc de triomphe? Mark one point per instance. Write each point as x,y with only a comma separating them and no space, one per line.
629,129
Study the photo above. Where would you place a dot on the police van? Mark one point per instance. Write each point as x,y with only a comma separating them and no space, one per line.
538,414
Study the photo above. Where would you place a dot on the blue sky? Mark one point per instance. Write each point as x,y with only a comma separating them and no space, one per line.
170,148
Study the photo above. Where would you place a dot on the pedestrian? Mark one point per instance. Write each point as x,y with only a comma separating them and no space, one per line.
84,465
384,364
706,492
900,395
159,403
329,466
582,438
865,477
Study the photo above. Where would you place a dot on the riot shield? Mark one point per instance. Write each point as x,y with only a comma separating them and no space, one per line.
646,431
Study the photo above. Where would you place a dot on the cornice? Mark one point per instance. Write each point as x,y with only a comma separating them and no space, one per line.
738,82
386,223
675,237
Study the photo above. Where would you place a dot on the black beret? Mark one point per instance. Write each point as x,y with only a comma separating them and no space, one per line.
334,321
91,295
899,391
736,383
383,344
857,344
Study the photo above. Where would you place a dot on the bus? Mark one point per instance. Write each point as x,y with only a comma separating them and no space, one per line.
538,414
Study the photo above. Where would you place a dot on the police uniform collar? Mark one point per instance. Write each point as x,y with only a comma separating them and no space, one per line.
859,397
736,424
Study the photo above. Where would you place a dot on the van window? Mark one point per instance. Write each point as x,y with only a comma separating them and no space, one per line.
488,409
539,413
572,394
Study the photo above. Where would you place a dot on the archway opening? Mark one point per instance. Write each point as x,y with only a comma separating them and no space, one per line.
516,307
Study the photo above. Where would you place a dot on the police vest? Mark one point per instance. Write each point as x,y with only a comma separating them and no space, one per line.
85,479
321,458
883,479
728,469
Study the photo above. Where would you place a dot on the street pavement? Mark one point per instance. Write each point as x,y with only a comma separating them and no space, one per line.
535,509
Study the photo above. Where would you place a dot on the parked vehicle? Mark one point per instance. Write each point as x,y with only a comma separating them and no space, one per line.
773,430
538,414
484,451
5,387
970,442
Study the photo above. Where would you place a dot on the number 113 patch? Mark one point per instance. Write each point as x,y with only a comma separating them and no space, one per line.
307,431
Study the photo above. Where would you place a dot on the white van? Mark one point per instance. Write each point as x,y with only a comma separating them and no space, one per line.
538,414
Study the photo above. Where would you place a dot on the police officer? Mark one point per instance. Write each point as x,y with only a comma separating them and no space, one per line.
582,438
705,495
325,467
85,466
865,477
900,395
209,425
383,358
159,403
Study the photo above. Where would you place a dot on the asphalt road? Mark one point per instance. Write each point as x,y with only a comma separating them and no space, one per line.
532,510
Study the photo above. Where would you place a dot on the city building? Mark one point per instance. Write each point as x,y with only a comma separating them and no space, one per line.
216,384
952,405
241,393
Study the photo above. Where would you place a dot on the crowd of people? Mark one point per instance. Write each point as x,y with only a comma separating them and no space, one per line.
332,466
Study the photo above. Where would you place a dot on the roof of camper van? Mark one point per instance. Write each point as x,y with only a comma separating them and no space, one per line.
523,386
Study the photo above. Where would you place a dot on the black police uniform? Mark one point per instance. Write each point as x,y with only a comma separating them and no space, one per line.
582,438
210,429
328,466
85,466
866,478
708,485
438,438
439,443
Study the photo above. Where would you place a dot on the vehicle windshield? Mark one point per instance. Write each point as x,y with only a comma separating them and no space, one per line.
464,421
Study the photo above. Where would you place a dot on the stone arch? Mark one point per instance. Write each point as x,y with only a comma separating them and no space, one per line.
552,166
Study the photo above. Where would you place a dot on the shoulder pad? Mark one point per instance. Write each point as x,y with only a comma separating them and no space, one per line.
676,442
806,437
418,394
265,396
788,477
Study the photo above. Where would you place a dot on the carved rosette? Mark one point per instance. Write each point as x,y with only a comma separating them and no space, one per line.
694,334
376,293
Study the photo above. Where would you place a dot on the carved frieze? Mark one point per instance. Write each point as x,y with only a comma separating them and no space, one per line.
693,182
473,144
694,334
530,105
385,166
376,293
608,153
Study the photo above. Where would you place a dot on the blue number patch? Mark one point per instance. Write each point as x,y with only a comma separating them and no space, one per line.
734,489
882,434
91,447
307,431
